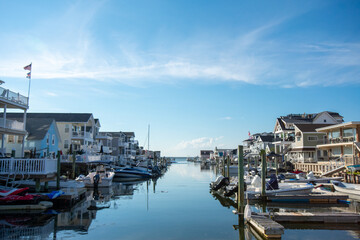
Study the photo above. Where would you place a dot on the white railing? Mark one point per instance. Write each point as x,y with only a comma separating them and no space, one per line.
13,96
82,134
28,166
12,124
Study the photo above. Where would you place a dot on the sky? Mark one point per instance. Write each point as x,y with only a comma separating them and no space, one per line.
201,73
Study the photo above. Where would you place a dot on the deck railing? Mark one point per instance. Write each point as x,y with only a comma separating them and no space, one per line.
28,166
320,167
12,124
13,97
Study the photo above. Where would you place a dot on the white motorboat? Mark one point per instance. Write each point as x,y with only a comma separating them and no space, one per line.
101,177
253,190
347,188
310,178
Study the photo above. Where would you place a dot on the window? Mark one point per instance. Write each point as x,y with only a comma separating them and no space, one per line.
11,138
348,132
336,151
53,139
336,134
318,153
66,143
298,139
312,138
67,128
325,153
348,150
324,120
20,139
47,139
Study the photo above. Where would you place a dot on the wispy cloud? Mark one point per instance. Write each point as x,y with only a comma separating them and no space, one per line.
203,142
253,56
226,118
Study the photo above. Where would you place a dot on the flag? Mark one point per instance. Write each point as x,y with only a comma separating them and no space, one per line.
28,75
28,67
249,134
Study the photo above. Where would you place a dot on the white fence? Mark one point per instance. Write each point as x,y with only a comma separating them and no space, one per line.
28,166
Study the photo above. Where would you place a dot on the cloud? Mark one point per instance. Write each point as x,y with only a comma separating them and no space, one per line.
254,56
203,142
226,118
51,94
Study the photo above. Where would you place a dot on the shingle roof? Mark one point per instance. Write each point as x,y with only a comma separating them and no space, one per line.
59,117
267,138
38,127
310,127
130,134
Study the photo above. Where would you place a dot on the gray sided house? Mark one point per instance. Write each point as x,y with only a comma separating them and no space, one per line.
303,149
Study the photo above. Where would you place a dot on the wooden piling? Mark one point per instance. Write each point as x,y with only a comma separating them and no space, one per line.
241,204
223,166
228,166
58,171
73,165
263,174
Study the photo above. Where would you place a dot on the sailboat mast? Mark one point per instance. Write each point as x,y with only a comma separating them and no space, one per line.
148,137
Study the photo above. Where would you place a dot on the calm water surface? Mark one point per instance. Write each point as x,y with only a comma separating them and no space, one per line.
176,206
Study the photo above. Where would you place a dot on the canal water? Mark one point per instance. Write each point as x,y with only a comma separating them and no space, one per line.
177,205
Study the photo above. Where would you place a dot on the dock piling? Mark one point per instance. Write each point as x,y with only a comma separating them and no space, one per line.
240,180
58,171
263,174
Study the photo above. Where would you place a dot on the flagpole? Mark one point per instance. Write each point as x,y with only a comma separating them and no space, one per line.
29,85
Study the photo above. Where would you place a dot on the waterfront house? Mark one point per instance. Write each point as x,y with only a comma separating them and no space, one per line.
205,154
303,149
42,139
12,131
76,129
284,130
342,143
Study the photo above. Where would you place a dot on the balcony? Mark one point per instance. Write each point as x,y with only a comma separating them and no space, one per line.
28,166
13,97
82,135
12,125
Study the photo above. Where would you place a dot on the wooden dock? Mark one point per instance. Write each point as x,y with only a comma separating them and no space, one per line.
319,217
310,198
266,226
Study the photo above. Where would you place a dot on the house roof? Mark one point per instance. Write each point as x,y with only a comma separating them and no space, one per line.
129,134
38,127
267,138
310,127
58,117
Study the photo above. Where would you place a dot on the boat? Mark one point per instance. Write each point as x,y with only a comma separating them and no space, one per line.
347,188
310,178
131,174
51,184
273,188
101,177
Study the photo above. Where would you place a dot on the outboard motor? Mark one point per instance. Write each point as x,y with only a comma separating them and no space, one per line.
223,182
281,177
273,183
234,190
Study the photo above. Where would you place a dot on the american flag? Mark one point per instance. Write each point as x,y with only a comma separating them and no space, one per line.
28,67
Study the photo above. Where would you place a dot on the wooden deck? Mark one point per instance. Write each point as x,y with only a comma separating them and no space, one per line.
319,217
266,226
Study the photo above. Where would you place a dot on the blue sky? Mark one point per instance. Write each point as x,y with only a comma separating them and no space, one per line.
201,73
